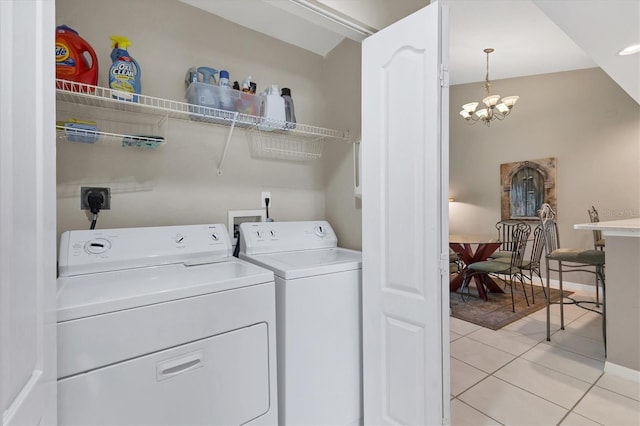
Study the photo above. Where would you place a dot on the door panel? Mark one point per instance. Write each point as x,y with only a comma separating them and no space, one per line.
405,156
27,213
404,174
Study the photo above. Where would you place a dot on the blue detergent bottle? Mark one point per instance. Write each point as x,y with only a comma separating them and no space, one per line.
208,75
125,73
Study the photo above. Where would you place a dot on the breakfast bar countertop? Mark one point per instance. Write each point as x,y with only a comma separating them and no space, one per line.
620,228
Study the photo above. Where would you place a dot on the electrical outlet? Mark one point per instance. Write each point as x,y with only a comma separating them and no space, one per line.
84,197
266,195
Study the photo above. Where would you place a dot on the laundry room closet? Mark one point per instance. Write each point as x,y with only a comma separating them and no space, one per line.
188,179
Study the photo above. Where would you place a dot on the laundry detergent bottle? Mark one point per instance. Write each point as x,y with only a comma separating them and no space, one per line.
272,110
75,59
124,74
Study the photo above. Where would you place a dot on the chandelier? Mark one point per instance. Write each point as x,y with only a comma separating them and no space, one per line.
496,108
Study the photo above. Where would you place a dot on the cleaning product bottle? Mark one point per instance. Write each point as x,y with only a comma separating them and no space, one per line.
191,76
272,110
75,59
125,73
224,79
289,112
246,84
207,92
226,102
208,75
246,104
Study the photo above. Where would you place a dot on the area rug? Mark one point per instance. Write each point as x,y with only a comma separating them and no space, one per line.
496,312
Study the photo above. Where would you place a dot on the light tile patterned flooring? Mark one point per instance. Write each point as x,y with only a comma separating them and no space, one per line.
513,376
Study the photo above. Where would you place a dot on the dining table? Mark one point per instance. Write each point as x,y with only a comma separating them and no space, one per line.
472,248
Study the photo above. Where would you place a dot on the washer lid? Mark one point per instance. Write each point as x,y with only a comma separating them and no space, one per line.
100,293
305,263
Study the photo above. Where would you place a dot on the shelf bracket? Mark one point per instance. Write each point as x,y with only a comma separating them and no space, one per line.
226,146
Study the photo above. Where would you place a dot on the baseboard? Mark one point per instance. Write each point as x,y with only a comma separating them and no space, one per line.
571,286
620,371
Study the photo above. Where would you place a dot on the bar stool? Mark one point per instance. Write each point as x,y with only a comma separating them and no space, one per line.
569,260
598,241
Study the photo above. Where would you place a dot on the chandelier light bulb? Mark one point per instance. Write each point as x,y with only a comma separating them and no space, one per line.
510,101
470,107
491,101
501,107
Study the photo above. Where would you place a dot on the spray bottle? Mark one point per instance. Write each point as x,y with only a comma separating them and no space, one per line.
124,74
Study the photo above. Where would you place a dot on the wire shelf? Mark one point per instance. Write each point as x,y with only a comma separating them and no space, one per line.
93,136
90,124
102,97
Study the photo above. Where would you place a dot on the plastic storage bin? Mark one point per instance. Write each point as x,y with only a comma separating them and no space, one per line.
215,104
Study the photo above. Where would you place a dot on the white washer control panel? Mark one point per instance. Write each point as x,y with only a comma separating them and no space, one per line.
89,251
97,246
274,237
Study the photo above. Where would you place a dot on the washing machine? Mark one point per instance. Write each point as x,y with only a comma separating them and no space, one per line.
162,326
318,306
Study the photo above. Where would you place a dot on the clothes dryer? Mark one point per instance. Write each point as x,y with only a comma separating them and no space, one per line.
162,326
318,294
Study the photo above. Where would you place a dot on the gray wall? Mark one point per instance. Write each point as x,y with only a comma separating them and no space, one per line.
580,117
177,183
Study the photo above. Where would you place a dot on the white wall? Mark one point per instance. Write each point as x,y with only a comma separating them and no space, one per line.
177,183
580,117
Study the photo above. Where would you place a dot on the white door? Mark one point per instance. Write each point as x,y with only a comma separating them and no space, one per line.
27,213
405,221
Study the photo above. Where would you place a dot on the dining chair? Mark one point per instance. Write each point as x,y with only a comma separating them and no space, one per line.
455,263
505,235
512,269
568,260
532,266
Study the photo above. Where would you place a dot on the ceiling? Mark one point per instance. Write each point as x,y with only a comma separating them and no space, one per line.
529,36
526,42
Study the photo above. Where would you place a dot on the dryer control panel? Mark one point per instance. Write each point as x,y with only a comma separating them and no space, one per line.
274,237
101,250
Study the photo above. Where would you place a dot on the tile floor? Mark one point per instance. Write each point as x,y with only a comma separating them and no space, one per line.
513,376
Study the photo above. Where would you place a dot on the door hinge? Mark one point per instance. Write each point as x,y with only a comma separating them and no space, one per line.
444,76
444,264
